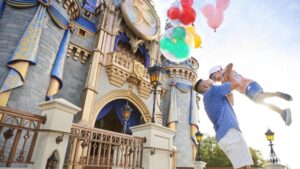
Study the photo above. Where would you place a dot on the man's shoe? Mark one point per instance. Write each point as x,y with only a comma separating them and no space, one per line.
287,116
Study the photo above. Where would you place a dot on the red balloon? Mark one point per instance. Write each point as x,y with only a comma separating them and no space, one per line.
187,3
173,13
188,15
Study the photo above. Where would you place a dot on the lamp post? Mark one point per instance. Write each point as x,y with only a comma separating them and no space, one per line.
270,137
51,162
199,137
154,72
126,110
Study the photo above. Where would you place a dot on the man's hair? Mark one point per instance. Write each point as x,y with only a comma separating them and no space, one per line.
197,84
211,76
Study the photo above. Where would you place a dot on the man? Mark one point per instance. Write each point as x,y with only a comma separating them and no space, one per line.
253,91
222,115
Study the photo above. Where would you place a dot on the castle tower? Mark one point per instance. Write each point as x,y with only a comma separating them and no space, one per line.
180,107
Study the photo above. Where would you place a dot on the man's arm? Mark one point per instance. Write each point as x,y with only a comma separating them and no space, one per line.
230,98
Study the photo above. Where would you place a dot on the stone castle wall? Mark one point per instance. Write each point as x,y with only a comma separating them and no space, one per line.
26,98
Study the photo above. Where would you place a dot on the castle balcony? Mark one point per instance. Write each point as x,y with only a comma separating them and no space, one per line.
121,68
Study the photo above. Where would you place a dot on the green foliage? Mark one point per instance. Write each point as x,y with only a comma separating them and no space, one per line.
258,160
214,156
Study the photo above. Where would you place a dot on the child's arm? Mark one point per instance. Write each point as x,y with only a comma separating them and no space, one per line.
230,78
227,71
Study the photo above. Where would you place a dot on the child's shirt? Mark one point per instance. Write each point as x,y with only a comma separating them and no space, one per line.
243,82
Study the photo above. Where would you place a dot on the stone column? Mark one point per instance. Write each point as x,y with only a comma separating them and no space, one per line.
158,149
199,164
274,166
59,113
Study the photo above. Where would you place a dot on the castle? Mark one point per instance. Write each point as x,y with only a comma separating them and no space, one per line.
68,71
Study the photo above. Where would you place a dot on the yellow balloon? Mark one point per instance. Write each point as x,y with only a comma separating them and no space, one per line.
189,38
196,37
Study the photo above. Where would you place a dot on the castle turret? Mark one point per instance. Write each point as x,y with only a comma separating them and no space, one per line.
179,107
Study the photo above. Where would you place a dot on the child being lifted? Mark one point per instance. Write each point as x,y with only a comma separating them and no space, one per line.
252,90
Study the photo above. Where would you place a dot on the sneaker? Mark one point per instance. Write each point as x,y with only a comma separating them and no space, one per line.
287,116
284,96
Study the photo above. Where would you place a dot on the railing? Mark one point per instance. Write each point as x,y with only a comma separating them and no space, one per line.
18,134
95,148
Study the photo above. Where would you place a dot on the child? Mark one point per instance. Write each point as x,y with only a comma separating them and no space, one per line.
252,90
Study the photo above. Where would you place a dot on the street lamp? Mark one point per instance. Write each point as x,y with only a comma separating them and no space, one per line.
154,73
199,137
126,111
52,162
270,137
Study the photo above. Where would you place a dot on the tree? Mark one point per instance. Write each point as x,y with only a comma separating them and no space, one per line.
258,161
215,157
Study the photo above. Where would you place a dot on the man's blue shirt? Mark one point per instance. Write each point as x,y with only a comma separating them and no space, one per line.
219,109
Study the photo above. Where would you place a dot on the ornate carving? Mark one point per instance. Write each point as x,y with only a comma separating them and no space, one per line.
138,69
144,89
117,68
141,17
121,68
73,8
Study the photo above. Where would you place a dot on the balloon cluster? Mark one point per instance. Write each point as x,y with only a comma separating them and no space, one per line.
177,42
214,14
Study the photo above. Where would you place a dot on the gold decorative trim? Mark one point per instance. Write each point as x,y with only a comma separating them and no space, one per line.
117,68
120,94
121,68
137,15
73,8
144,89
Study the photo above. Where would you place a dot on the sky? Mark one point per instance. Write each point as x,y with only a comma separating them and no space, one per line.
262,40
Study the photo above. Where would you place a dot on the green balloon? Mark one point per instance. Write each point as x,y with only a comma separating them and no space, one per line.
181,50
179,33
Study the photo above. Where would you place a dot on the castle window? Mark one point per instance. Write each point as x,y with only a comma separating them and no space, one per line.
82,33
88,14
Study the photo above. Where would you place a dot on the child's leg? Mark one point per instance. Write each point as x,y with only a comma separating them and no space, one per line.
285,114
265,95
272,107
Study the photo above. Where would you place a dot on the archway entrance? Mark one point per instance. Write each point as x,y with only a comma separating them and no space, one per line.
111,117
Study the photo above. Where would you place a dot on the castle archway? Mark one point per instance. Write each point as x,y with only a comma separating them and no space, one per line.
121,96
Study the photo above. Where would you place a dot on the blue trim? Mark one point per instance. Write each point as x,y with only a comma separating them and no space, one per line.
54,10
58,67
144,52
89,8
22,3
89,25
2,6
120,37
